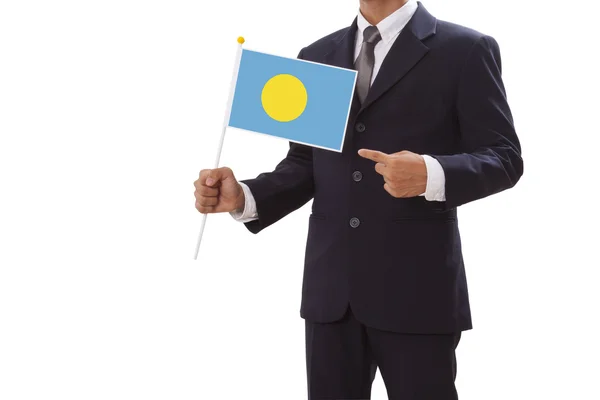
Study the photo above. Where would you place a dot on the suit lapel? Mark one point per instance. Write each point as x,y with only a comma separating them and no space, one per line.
342,52
342,55
405,53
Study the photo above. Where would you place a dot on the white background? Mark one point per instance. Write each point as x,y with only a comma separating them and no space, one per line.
108,111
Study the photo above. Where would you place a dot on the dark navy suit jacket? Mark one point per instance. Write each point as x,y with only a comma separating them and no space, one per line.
398,262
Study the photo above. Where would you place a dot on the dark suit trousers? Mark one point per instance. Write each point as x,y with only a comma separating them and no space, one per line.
342,358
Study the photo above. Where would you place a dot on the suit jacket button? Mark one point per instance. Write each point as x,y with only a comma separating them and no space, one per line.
360,127
354,222
357,176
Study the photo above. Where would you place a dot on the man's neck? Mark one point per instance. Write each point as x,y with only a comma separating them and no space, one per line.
375,11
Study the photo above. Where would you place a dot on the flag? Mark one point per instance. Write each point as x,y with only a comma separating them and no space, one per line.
297,100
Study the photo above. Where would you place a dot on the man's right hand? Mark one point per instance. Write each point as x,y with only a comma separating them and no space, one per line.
218,191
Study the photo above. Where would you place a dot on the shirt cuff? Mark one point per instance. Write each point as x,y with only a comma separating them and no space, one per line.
249,212
436,180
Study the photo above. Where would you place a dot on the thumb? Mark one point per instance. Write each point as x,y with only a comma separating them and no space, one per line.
216,175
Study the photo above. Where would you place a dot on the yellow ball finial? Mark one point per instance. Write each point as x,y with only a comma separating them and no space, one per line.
241,40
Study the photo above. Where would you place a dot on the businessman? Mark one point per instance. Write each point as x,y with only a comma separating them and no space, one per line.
384,282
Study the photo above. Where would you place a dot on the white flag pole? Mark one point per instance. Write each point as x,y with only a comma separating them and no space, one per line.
236,66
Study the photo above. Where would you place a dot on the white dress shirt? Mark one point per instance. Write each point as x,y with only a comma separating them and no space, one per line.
389,28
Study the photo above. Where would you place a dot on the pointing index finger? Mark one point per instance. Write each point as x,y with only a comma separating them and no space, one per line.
374,155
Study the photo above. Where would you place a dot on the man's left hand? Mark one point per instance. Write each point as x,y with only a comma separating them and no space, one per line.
404,173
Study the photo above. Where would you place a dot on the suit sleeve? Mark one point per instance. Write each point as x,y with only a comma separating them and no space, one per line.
285,189
490,152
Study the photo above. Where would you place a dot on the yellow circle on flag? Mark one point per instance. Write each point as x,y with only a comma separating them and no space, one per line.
284,97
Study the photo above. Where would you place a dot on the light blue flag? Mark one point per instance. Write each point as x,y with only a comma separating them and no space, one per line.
297,100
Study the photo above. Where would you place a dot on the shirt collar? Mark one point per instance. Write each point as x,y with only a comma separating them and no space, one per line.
390,26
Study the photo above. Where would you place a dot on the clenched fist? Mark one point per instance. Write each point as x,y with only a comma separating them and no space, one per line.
218,191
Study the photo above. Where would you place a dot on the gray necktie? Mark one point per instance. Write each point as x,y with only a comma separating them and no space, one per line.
365,61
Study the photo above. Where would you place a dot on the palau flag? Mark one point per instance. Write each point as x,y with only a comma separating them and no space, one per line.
297,100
